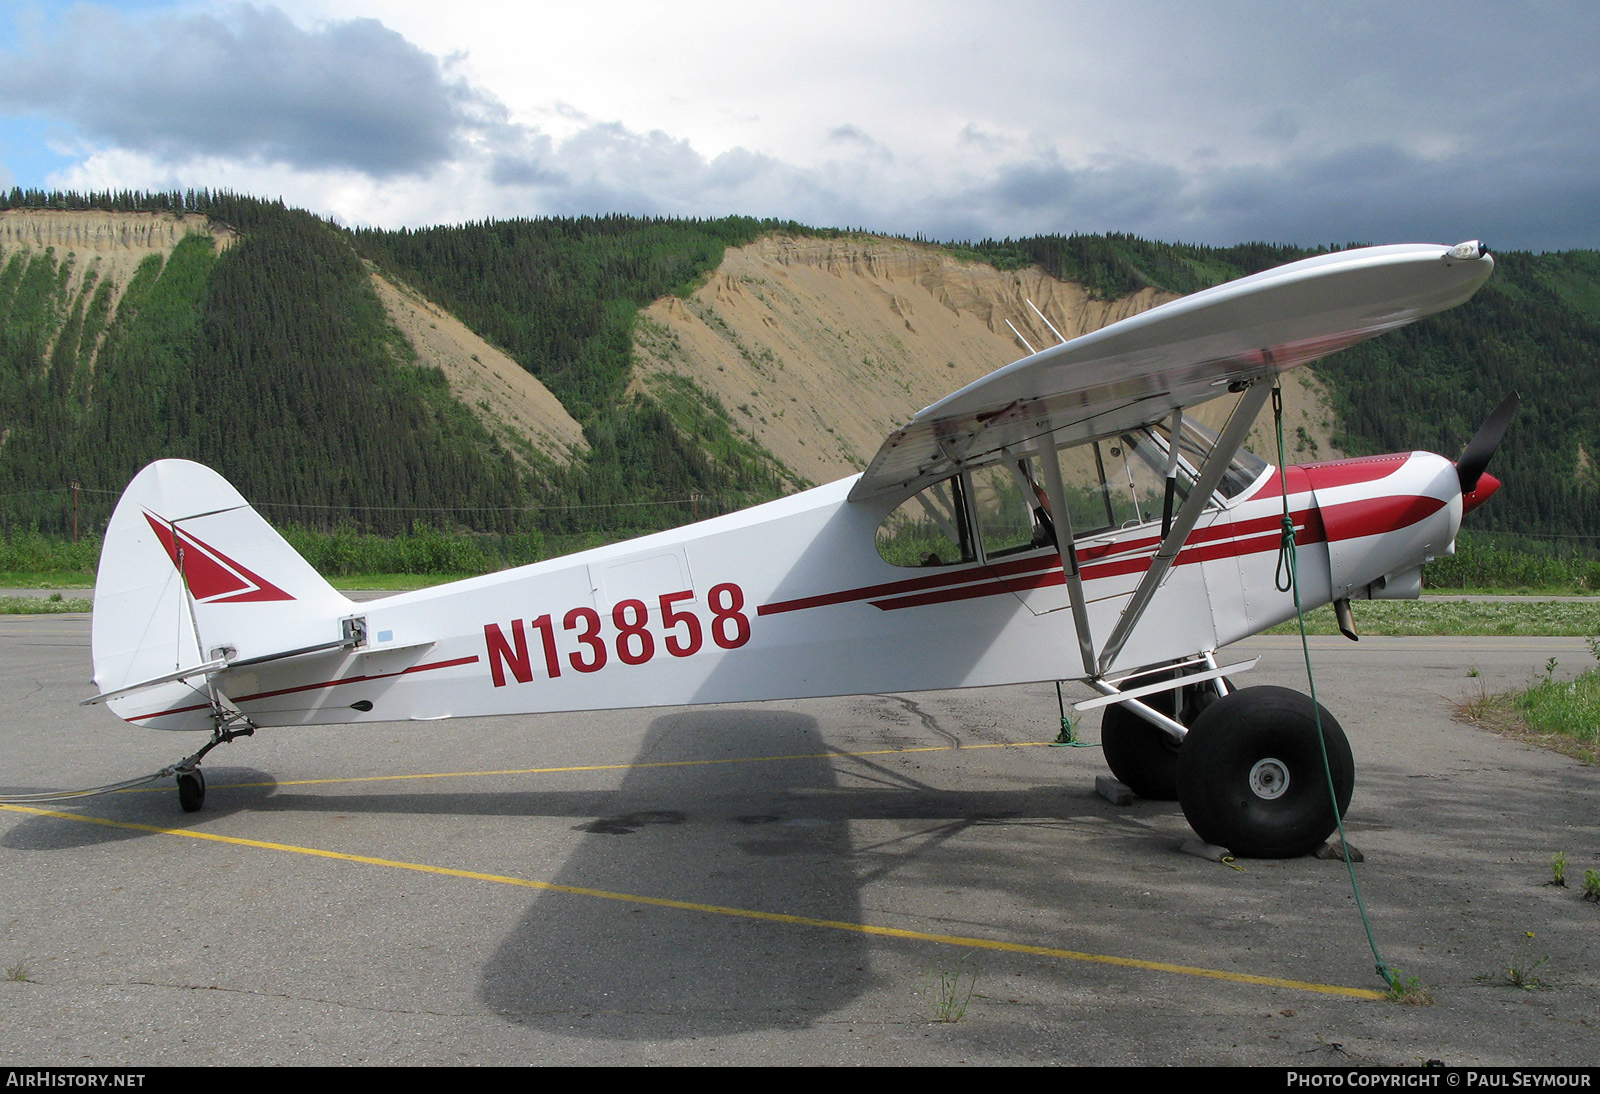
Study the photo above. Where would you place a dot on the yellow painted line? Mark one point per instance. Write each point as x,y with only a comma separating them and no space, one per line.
739,913
599,767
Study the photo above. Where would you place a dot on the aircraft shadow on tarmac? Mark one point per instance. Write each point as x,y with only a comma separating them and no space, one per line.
610,968
782,837
772,837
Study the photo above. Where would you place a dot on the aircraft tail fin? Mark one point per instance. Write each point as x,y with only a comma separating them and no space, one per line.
191,576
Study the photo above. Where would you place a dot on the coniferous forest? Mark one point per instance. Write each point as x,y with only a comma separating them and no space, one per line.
273,361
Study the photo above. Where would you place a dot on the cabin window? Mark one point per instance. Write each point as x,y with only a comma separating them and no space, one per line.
998,506
1000,509
1117,482
1011,512
1120,481
929,529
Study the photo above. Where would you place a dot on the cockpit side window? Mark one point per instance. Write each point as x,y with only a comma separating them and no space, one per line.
929,529
1001,509
1011,511
998,509
1115,482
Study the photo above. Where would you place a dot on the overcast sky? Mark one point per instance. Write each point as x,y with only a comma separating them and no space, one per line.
1213,122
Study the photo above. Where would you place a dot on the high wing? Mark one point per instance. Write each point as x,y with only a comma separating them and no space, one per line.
1140,370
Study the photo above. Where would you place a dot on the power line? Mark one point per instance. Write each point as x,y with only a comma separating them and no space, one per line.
689,501
472,508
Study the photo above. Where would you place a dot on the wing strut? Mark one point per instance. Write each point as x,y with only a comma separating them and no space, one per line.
1244,416
1175,431
1066,546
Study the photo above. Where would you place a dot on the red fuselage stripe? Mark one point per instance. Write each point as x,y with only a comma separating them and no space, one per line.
1228,539
914,584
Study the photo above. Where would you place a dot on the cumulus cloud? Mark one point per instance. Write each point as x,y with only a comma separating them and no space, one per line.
1211,125
851,134
252,84
607,167
1277,126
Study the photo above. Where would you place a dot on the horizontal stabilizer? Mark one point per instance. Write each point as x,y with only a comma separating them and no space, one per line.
167,678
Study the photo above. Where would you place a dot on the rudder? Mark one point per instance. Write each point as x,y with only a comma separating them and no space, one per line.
189,572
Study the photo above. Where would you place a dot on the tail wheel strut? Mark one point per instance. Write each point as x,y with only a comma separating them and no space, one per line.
191,782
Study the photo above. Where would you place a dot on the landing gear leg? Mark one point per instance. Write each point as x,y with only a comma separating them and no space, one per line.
1143,756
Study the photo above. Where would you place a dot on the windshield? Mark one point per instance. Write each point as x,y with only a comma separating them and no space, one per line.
1195,443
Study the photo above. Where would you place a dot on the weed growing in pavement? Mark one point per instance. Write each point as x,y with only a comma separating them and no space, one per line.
1520,969
1407,990
950,992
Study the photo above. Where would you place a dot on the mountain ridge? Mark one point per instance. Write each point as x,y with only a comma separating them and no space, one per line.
615,374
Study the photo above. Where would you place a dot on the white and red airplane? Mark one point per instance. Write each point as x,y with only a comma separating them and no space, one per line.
1059,519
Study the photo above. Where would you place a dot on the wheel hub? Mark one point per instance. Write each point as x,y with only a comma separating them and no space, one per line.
1269,778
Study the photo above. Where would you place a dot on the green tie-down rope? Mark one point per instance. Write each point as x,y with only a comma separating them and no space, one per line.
1288,578
1068,737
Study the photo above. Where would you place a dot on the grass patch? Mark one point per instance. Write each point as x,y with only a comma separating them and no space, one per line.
1512,590
46,579
1519,969
1501,714
950,991
395,583
1568,707
1407,990
1552,618
1561,715
40,605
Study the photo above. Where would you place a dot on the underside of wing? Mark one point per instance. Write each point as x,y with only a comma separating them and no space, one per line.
1182,353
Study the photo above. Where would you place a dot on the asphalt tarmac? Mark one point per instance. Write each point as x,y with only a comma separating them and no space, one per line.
887,879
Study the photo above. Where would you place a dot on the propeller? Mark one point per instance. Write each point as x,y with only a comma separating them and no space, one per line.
1474,458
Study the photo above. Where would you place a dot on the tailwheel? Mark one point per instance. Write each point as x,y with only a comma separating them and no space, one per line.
1250,774
231,725
1143,756
191,789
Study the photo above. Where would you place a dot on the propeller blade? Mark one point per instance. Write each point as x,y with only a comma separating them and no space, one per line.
1475,457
